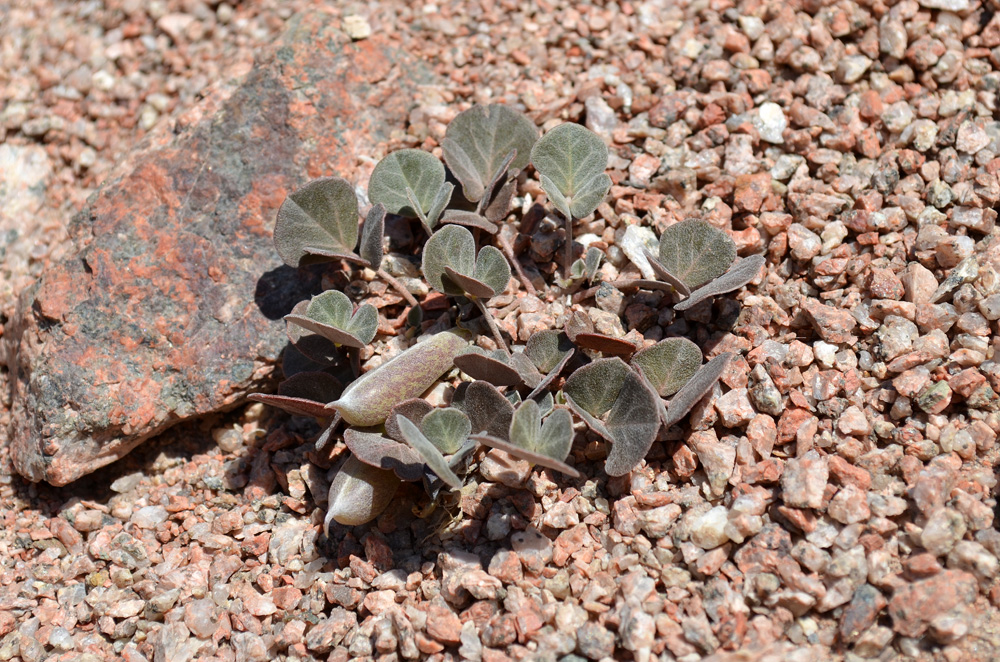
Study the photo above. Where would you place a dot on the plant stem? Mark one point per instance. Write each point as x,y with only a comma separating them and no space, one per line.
396,285
568,255
355,355
508,250
491,322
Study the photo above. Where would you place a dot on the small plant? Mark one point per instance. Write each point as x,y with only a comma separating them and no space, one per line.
518,398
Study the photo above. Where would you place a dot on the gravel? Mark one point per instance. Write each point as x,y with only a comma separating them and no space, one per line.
833,498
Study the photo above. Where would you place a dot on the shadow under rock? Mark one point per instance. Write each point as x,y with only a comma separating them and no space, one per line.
279,289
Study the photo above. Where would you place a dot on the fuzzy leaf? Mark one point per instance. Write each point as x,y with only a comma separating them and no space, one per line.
498,208
487,409
415,169
571,160
377,451
669,364
369,399
546,444
696,388
310,344
317,222
608,345
451,246
359,493
372,230
329,315
595,386
478,141
742,273
526,369
446,428
469,285
414,409
492,269
577,323
695,252
429,452
525,425
478,364
591,261
547,349
664,275
469,219
633,422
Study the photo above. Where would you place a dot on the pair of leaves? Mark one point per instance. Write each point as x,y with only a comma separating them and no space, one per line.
451,266
586,267
571,161
411,182
546,443
303,394
696,260
332,316
537,365
319,222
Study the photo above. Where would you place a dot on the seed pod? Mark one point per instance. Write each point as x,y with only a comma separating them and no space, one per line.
369,399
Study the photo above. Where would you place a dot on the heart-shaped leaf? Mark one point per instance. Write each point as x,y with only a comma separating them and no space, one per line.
546,444
317,348
695,252
428,451
317,222
669,364
372,231
571,160
595,386
673,283
633,423
359,493
493,367
741,273
488,411
451,246
368,400
330,315
447,428
414,409
492,269
479,140
548,349
375,450
404,169
696,388
303,394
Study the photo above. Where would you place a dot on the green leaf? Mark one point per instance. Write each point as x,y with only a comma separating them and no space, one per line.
447,429
494,367
739,275
375,450
696,388
633,423
359,493
414,409
451,246
492,269
428,451
329,315
669,364
571,160
547,349
525,425
546,444
317,222
595,386
372,230
415,169
479,140
695,252
488,411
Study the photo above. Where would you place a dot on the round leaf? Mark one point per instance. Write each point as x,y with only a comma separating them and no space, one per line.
547,349
451,246
633,423
479,365
695,252
487,409
492,269
321,216
414,409
525,424
446,428
571,160
428,451
595,386
375,450
412,169
669,364
479,140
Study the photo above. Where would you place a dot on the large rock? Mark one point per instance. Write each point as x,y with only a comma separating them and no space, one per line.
171,306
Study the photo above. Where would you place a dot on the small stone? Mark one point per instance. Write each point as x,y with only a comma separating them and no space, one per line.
764,395
200,618
594,641
709,530
532,548
861,613
443,624
601,118
561,515
804,479
935,398
734,408
854,422
636,239
832,324
851,68
357,27
972,137
770,122
643,168
943,529
803,242
914,606
989,307
849,506
149,517
897,116
718,458
918,282
60,639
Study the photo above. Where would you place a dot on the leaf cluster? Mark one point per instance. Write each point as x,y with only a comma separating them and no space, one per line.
519,399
